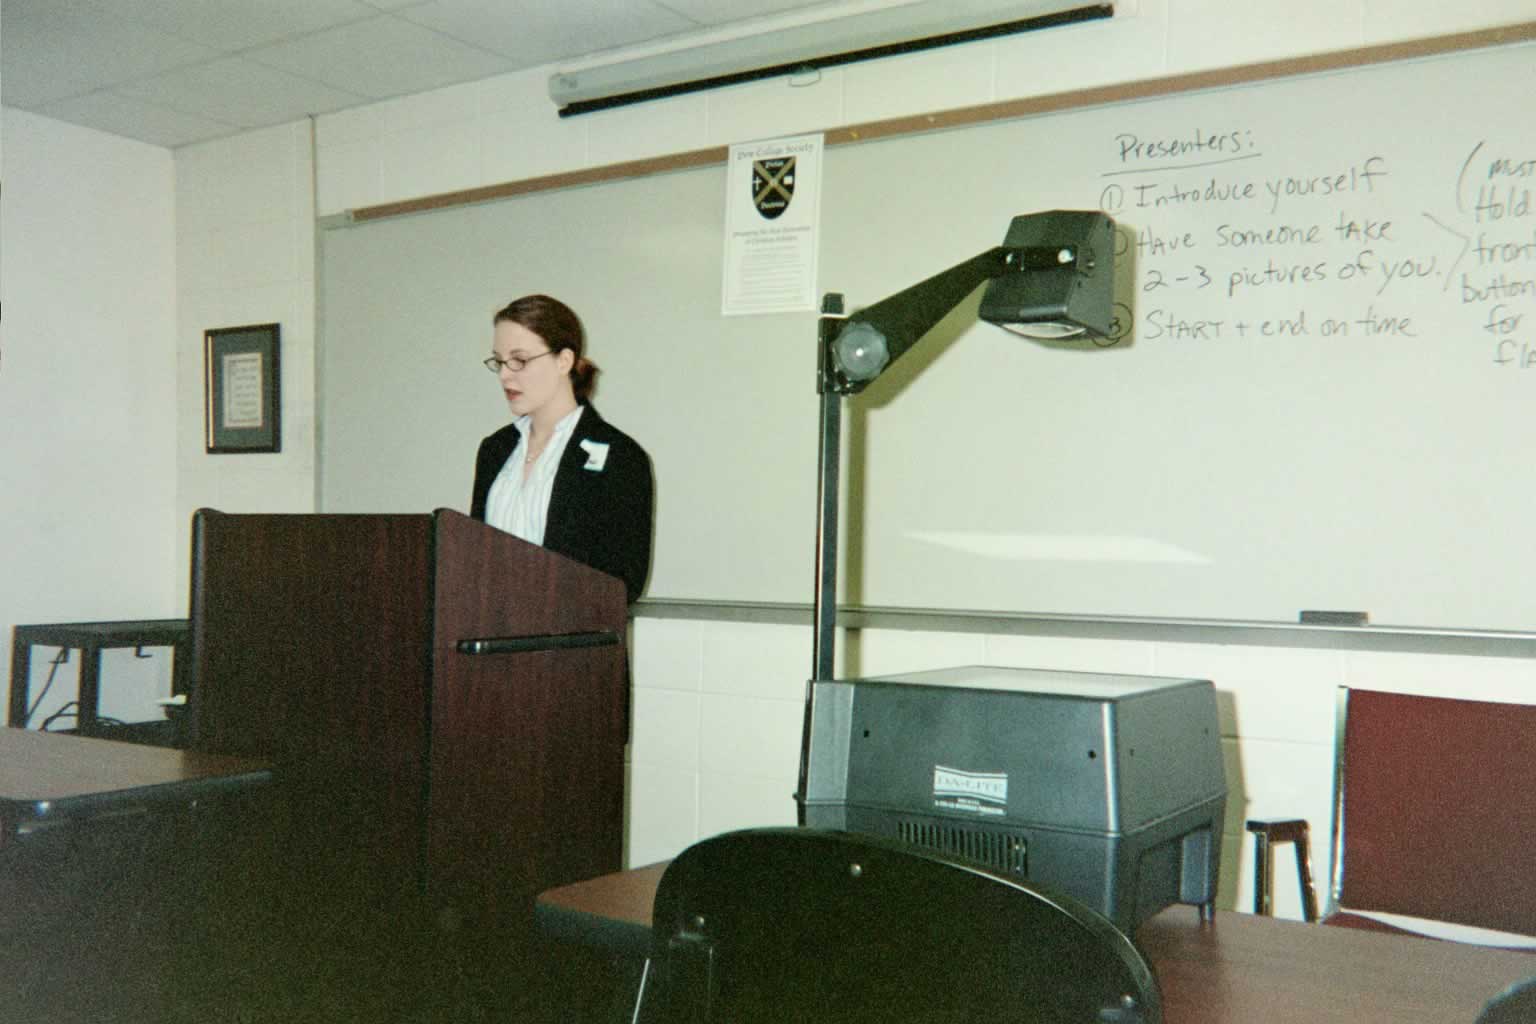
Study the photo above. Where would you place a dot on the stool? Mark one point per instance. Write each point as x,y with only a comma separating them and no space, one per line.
1266,833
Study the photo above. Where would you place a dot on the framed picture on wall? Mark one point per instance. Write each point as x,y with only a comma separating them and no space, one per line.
241,389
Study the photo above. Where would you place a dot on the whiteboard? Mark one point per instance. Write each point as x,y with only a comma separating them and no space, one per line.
1324,399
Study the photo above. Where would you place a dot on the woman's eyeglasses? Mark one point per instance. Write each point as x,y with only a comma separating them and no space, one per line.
515,363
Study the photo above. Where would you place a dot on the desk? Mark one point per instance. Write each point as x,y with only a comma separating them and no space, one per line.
90,639
1238,968
49,778
115,869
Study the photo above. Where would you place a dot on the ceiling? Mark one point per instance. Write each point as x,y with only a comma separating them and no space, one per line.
173,72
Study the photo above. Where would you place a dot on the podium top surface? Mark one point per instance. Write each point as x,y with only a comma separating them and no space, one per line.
1095,686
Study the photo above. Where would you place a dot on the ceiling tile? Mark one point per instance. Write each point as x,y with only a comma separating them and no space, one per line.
50,51
381,57
240,92
123,115
533,32
723,12
239,24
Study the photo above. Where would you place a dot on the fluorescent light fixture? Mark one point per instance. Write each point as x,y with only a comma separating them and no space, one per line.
880,33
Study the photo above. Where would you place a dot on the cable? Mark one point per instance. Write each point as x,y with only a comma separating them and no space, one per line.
69,710
58,659
72,710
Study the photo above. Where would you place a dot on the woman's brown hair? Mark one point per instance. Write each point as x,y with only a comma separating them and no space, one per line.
560,328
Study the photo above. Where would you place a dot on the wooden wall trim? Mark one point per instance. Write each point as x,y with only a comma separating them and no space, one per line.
962,117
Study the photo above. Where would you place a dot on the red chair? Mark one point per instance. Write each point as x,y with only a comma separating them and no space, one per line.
1434,814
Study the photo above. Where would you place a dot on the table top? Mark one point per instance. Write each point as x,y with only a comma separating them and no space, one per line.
124,633
48,774
1237,968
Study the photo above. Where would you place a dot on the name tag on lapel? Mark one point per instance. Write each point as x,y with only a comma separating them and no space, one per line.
597,455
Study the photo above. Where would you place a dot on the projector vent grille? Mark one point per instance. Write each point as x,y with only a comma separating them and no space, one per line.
1005,852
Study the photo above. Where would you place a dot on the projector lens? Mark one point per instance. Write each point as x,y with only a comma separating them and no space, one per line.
1047,330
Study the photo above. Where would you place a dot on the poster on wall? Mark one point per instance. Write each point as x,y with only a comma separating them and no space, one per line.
772,225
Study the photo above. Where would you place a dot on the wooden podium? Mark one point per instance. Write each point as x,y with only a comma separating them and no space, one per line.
445,705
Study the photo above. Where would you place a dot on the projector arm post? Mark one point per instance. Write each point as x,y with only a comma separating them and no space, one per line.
898,322
828,461
828,458
894,324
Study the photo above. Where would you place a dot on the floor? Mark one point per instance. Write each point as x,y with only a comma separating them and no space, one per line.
125,927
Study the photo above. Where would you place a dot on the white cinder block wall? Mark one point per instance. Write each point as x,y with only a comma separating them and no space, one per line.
718,705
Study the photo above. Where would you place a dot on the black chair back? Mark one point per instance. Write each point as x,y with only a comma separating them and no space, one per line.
1515,1005
781,925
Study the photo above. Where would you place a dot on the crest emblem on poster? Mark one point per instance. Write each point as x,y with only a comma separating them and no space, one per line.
773,185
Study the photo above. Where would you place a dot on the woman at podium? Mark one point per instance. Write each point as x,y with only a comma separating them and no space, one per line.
560,475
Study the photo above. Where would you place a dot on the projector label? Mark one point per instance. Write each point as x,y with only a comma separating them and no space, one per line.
972,792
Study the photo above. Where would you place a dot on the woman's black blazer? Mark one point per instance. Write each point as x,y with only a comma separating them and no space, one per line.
599,517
